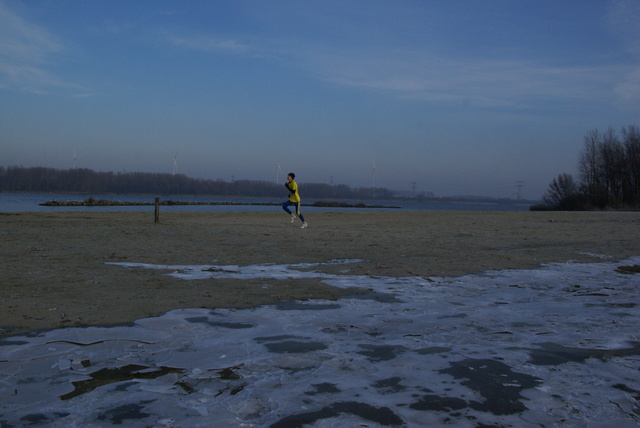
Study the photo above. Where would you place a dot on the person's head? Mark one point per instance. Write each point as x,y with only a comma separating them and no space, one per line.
291,176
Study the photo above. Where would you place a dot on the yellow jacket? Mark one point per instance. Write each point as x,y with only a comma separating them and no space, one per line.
293,191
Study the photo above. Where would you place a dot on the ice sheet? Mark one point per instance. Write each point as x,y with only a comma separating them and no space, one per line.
555,346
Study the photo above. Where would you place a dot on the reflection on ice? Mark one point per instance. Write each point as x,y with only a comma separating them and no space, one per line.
555,346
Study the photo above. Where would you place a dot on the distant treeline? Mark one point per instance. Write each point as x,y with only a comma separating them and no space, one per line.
609,174
86,181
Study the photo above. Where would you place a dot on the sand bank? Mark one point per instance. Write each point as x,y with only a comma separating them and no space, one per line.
54,272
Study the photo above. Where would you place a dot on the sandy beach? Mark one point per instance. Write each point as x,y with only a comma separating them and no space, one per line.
55,270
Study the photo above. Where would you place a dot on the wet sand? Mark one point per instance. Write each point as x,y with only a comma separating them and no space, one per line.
54,270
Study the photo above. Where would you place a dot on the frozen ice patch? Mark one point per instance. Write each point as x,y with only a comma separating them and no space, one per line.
552,346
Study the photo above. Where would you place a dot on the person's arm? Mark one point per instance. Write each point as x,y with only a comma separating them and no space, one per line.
290,187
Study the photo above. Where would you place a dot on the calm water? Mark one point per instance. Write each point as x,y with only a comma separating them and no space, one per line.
30,202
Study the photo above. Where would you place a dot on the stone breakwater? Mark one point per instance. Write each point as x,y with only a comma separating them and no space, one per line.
104,203
91,202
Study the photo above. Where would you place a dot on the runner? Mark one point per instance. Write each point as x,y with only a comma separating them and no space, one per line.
294,199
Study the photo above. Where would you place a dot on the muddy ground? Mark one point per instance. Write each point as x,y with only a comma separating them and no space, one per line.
53,270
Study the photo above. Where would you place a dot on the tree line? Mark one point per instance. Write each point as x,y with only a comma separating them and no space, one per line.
87,181
608,174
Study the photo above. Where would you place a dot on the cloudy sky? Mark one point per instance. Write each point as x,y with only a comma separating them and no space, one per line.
460,97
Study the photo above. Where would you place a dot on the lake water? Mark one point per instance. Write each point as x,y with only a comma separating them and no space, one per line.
30,202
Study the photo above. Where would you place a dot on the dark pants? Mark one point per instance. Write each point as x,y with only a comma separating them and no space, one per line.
286,206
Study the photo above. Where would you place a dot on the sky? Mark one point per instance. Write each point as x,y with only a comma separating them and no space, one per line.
488,98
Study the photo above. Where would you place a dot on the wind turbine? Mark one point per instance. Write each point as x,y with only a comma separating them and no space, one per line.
74,158
278,172
373,173
175,164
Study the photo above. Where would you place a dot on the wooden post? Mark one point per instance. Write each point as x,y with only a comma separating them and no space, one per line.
157,210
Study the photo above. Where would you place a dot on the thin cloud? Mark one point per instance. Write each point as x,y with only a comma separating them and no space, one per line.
418,74
25,54
489,83
629,90
427,73
208,44
24,41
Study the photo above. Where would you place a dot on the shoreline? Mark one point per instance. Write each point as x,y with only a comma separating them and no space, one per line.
90,202
55,272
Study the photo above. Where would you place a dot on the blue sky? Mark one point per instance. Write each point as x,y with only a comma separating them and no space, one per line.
460,97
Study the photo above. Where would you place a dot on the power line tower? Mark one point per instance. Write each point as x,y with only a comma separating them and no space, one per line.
519,186
373,178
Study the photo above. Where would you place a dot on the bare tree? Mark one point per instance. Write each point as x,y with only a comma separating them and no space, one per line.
609,171
631,141
563,193
589,166
613,167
